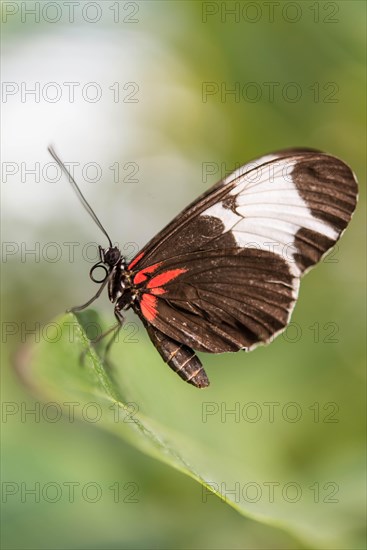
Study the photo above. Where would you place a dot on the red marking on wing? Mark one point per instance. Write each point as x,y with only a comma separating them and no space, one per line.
135,260
141,275
165,277
148,306
157,291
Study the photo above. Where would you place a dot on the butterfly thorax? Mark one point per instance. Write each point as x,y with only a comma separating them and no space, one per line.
121,288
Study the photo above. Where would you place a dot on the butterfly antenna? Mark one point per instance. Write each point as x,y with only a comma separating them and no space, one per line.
80,195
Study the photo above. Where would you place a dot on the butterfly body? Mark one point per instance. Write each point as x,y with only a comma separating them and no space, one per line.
136,290
224,275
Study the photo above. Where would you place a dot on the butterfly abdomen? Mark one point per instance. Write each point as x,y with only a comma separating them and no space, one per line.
179,357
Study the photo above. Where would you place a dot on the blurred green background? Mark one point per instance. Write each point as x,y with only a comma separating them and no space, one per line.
164,72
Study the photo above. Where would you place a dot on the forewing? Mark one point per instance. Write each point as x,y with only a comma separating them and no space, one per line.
294,203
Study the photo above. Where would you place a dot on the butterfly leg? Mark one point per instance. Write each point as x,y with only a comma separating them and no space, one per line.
115,329
83,306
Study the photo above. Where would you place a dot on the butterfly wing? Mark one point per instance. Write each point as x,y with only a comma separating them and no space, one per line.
221,300
224,274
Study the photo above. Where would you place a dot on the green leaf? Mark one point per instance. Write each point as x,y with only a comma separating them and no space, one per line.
256,438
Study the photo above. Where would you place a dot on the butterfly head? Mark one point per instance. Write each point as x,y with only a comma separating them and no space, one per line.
108,259
110,256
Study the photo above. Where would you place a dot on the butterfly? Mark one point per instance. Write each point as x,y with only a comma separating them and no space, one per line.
224,274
